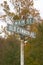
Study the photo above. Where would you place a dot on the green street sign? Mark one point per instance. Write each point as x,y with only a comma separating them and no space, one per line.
23,22
20,30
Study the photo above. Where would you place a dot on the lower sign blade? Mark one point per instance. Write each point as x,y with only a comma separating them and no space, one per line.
19,30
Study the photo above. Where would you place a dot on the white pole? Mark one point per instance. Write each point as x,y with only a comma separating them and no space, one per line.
22,53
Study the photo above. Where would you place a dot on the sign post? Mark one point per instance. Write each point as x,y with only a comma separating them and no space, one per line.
21,31
22,53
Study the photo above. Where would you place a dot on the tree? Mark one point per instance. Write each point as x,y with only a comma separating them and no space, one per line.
22,6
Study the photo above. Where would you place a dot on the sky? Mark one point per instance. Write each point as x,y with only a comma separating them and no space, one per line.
38,4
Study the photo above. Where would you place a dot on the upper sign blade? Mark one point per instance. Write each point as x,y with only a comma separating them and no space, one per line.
23,22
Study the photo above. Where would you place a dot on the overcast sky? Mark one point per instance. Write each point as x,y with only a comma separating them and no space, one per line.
38,4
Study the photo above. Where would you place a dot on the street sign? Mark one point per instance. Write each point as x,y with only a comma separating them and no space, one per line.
15,28
23,22
19,30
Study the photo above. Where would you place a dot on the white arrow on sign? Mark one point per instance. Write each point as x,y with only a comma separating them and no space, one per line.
19,30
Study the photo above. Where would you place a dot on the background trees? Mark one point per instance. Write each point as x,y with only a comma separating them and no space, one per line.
33,49
9,51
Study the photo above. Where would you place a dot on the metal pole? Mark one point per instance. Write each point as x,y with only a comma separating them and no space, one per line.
22,53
